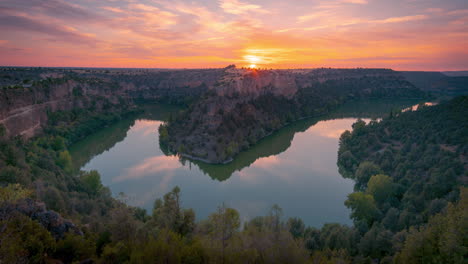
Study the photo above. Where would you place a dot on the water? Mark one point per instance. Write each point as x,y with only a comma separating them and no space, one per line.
294,168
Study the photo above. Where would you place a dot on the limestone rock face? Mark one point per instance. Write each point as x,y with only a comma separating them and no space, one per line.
23,111
252,83
248,104
24,107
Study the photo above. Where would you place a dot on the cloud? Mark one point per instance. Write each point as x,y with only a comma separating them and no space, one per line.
376,58
458,12
400,19
152,166
11,23
113,9
361,2
53,8
315,15
434,10
237,7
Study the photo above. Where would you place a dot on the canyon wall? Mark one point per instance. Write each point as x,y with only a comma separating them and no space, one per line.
24,103
27,94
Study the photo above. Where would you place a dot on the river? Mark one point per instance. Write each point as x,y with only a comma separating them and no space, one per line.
294,167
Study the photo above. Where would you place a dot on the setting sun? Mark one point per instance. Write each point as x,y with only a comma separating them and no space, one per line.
252,60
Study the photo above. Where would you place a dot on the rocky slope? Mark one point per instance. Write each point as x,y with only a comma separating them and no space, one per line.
50,220
247,105
28,94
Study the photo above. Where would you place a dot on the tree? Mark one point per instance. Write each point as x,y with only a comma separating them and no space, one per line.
364,172
359,126
377,242
92,182
167,213
363,207
224,224
296,227
442,240
64,160
23,240
380,186
276,213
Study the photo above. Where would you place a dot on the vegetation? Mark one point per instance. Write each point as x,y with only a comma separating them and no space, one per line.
218,127
408,170
409,205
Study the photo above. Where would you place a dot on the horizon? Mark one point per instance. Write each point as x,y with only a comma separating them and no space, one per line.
403,35
209,68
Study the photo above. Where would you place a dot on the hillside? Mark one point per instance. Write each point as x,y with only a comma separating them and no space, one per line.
407,169
247,105
451,83
412,205
27,95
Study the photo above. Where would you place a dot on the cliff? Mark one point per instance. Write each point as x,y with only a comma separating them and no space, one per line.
247,105
28,94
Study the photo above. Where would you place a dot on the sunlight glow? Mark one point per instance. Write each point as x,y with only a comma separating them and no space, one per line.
252,60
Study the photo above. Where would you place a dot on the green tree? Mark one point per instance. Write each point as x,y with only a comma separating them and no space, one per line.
168,214
224,224
442,240
64,160
92,182
13,193
296,227
380,186
364,172
363,207
23,240
74,248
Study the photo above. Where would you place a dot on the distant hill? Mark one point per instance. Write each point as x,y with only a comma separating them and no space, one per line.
449,83
456,73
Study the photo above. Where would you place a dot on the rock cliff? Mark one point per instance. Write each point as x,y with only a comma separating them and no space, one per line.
28,94
248,104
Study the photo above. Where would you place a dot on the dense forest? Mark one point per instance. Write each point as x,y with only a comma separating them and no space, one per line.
410,205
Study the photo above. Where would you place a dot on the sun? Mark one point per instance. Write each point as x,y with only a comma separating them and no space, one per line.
253,60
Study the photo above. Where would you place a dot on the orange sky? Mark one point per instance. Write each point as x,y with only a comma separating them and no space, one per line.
399,34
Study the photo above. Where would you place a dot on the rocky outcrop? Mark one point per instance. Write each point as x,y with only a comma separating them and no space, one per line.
252,83
28,94
249,104
23,110
24,105
50,220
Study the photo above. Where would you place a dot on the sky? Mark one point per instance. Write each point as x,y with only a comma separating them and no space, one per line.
397,34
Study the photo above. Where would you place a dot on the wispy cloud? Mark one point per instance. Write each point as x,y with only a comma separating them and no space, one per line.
400,19
113,9
180,33
237,7
315,15
61,33
53,8
362,2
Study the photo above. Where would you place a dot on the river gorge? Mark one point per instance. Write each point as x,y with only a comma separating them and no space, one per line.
294,167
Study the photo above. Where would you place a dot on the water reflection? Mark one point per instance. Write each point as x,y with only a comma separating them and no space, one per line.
280,141
295,167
